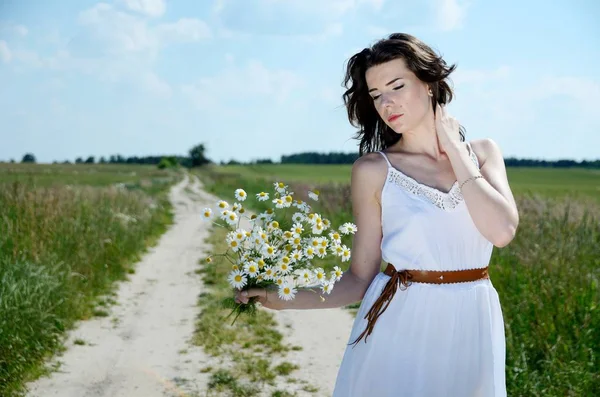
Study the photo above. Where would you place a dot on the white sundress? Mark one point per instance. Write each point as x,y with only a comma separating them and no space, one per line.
432,340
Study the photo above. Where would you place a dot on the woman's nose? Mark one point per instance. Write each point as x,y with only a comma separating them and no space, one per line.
386,100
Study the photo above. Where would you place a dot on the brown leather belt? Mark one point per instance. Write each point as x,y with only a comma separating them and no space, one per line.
405,278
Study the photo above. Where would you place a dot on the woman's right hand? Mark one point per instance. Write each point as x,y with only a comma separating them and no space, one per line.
263,296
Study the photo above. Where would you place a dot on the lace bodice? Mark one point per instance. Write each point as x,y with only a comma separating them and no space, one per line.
444,200
426,228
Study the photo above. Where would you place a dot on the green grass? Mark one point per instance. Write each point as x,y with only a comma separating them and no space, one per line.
551,182
68,232
547,278
252,344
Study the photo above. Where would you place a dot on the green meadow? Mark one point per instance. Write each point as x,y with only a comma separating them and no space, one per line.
67,232
552,182
547,278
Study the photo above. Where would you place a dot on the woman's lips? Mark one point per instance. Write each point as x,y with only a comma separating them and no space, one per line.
394,117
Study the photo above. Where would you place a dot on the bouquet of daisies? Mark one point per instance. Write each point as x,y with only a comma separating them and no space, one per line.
276,247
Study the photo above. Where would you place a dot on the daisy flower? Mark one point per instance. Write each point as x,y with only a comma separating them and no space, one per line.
261,263
284,268
327,287
262,196
223,205
348,228
237,279
298,217
337,249
240,195
296,255
345,253
335,238
234,245
320,275
207,212
321,252
268,272
297,229
336,274
314,195
318,228
251,268
280,187
287,201
309,252
278,203
269,251
287,291
224,214
306,276
232,218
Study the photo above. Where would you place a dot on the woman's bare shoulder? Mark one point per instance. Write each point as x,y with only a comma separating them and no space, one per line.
369,172
483,148
370,165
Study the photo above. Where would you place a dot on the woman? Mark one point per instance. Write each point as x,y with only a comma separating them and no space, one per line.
432,206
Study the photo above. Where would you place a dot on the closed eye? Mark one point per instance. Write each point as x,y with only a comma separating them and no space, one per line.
376,97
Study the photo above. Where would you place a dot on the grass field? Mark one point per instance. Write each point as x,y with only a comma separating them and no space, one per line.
67,232
547,181
547,278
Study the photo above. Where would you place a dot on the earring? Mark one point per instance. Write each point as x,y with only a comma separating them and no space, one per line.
430,93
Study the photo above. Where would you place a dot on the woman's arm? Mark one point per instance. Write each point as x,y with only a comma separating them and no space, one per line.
368,176
489,200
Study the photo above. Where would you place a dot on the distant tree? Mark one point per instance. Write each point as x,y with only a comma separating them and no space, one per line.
102,160
90,160
113,159
12,161
165,163
66,162
197,156
78,160
28,158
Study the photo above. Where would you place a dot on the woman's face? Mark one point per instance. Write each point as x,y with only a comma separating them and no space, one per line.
399,97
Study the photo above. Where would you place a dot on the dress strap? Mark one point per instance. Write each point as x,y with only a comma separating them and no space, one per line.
386,159
473,155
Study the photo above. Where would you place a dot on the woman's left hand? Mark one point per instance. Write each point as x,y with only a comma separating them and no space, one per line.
446,128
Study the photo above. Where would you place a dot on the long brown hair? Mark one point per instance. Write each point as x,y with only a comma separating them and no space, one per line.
429,67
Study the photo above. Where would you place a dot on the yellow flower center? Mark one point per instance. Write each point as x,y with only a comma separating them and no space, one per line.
238,278
286,290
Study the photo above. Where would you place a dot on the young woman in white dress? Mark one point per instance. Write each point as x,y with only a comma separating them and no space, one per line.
432,206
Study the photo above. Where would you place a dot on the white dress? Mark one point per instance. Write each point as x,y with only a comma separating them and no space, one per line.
432,340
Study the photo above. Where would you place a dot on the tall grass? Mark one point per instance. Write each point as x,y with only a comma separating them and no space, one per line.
547,279
61,247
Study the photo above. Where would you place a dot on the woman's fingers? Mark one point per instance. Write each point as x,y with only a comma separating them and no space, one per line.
244,296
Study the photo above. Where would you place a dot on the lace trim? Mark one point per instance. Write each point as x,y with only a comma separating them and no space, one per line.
445,201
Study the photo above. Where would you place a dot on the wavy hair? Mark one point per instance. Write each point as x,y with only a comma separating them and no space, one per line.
428,66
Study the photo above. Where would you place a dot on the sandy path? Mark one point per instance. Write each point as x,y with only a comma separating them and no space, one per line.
142,349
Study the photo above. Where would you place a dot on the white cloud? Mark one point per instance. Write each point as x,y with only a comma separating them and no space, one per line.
5,53
152,83
450,14
113,32
243,85
151,8
184,30
304,19
20,30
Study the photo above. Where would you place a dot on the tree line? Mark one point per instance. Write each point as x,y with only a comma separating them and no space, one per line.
197,157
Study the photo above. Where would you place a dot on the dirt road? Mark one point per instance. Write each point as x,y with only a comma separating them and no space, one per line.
143,349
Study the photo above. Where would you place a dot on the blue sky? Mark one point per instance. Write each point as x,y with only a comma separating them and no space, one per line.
261,78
